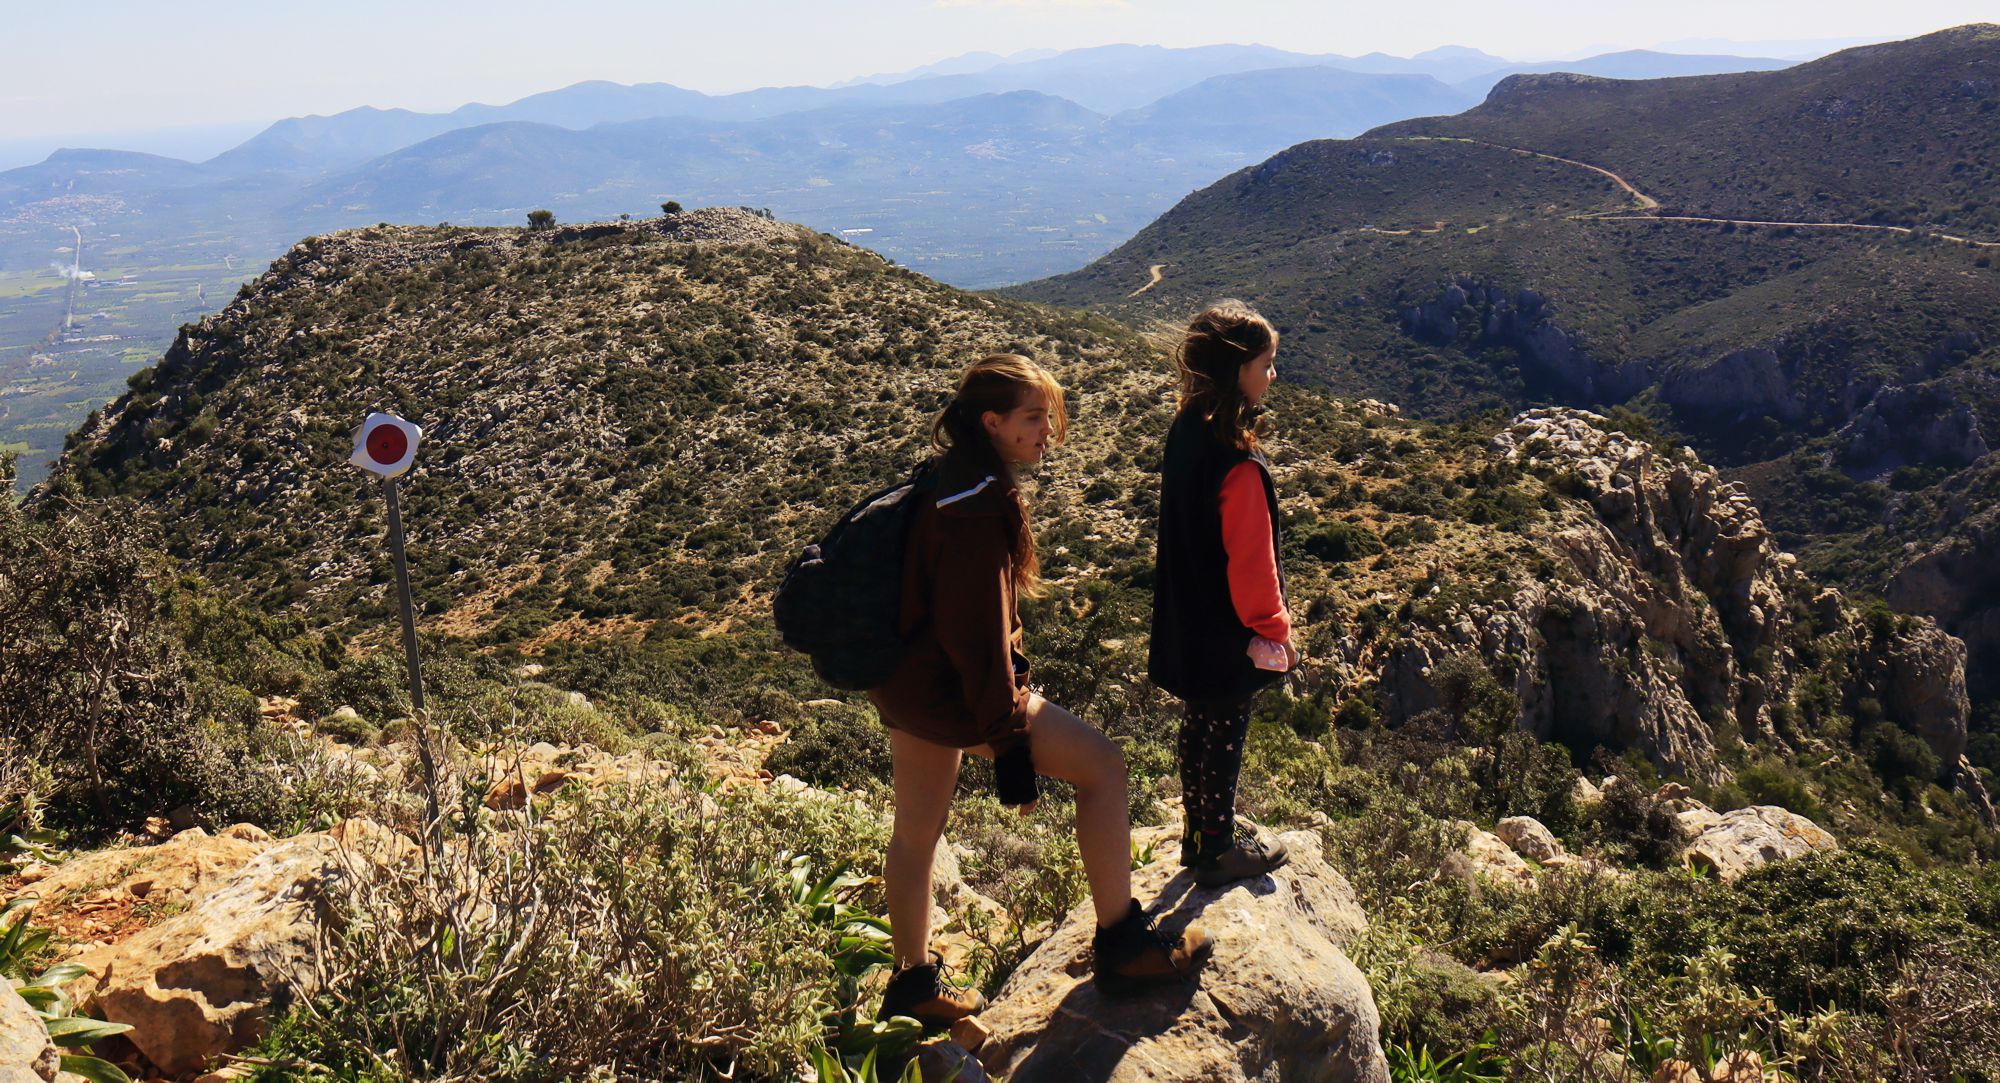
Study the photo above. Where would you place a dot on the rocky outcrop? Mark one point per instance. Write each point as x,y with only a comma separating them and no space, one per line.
1735,387
206,981
26,1053
1954,581
1919,676
1278,998
101,897
1529,838
1671,610
1524,321
1736,842
1911,425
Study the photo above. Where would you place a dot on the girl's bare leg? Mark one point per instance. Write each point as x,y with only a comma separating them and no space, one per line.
1066,747
926,775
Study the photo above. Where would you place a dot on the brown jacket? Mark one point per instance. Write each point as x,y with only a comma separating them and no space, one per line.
964,680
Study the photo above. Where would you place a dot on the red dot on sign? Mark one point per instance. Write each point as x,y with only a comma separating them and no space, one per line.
387,444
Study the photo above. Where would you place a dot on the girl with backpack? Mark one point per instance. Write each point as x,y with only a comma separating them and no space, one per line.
1221,629
962,687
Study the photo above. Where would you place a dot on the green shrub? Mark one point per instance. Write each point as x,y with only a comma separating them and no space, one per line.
530,712
96,683
1527,777
836,746
1337,541
630,927
1834,928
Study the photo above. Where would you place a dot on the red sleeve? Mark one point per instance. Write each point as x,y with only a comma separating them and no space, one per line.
1253,565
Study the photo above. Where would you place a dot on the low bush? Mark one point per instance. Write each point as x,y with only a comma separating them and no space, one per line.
836,746
634,932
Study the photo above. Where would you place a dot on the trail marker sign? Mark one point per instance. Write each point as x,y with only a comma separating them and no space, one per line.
385,444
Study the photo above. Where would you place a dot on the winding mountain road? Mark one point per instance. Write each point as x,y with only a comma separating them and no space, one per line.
1643,202
1157,278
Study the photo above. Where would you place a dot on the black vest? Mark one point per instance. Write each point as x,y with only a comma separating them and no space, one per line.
1198,642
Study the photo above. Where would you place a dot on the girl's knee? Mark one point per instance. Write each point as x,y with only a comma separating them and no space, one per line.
1106,768
916,833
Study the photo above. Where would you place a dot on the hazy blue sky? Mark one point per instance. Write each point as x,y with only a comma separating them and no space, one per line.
125,65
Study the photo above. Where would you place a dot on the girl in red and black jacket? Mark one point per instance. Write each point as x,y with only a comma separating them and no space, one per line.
1221,629
962,687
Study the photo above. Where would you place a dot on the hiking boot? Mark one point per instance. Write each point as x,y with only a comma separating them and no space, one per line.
1247,855
1132,955
922,993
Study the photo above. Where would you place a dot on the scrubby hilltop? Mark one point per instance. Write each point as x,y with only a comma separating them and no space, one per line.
1906,133
630,427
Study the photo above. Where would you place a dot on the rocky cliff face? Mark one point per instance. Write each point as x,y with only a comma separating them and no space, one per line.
1951,578
1668,619
1552,358
1918,424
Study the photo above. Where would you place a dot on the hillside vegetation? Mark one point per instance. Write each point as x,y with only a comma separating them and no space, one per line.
632,428
629,428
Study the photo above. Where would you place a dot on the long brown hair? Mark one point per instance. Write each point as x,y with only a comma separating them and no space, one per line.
1209,358
999,383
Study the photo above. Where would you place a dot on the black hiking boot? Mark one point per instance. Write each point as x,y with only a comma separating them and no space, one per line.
1248,855
923,993
1132,955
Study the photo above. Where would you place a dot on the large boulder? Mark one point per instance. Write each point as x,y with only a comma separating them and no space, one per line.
26,1054
1278,999
1487,858
205,981
1736,842
103,897
1529,838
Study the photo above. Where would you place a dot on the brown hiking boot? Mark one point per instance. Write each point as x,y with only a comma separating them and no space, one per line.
1248,854
923,993
1132,955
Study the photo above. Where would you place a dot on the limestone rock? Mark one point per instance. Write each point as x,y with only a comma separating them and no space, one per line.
1969,783
1742,1066
1678,1071
1529,838
1920,675
949,889
94,896
204,981
1586,793
1745,383
1487,857
1911,424
1748,837
26,1053
1277,999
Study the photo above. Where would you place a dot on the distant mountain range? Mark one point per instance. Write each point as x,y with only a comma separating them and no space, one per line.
979,171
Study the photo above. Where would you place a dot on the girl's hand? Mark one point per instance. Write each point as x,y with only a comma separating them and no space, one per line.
1270,654
1292,657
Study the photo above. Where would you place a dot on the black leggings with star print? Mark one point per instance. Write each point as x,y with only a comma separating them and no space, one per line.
1211,756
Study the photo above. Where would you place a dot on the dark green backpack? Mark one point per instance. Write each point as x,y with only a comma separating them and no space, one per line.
841,601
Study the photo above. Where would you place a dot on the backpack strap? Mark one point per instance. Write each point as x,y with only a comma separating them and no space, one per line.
974,491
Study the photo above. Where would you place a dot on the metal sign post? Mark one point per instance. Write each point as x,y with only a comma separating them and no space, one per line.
403,596
387,445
